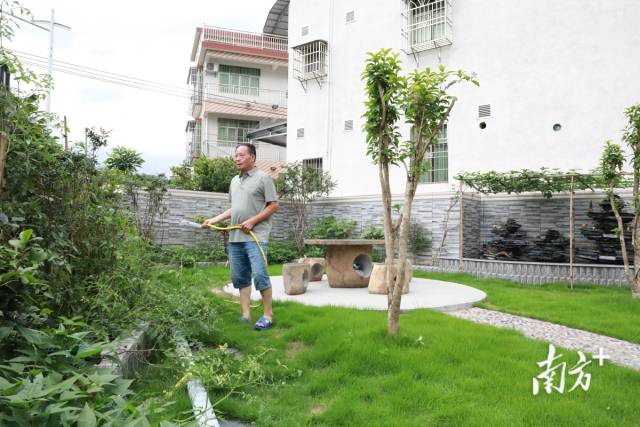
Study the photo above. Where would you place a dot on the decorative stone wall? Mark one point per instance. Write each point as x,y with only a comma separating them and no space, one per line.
535,273
535,213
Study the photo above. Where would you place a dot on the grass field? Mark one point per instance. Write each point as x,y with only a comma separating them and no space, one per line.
334,366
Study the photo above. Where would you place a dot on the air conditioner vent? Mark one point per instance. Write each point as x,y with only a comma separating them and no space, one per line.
484,110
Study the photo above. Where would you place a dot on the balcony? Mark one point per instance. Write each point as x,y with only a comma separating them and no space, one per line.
266,97
239,42
245,39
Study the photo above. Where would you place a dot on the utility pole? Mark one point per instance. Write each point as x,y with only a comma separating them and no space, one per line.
52,24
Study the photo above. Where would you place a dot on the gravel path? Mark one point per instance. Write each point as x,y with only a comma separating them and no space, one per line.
621,352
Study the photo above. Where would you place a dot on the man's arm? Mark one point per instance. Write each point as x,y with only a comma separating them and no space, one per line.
216,219
269,209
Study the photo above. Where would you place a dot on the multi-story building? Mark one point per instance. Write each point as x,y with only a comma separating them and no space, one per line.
555,78
239,83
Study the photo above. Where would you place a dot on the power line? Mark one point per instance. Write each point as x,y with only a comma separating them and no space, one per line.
257,107
135,82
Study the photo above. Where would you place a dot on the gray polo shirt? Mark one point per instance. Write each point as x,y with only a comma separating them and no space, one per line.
249,194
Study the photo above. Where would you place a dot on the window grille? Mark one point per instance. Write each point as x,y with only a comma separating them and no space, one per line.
437,159
193,130
426,24
310,61
193,76
239,80
300,133
315,163
351,16
348,125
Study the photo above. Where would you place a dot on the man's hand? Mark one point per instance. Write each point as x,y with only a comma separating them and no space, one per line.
208,222
247,226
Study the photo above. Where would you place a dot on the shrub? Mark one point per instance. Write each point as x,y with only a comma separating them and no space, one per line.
281,252
329,227
419,241
213,174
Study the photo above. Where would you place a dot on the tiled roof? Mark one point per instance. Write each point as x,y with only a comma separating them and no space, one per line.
271,167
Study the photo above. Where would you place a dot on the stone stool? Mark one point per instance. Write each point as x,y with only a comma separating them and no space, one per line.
378,279
317,268
295,277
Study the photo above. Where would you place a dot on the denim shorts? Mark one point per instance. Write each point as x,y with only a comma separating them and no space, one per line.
246,263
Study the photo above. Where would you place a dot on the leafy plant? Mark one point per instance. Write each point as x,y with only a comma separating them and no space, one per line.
330,227
124,159
301,185
213,174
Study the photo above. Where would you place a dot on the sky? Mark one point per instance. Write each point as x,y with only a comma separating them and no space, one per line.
145,39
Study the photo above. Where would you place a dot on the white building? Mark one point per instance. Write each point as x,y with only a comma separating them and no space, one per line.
239,83
555,79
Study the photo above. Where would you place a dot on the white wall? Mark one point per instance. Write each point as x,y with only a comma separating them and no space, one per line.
573,62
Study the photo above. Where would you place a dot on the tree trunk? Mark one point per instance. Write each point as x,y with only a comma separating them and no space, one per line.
394,309
461,231
635,284
389,242
452,202
623,244
571,235
3,158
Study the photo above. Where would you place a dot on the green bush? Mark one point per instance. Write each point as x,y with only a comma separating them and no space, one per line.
214,174
329,227
281,252
419,241
373,232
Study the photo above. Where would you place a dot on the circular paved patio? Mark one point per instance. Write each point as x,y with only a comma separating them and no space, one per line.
424,293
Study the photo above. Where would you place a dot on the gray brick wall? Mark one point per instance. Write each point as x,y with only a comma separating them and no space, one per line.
535,213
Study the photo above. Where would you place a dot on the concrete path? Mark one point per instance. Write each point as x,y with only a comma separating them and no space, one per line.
621,352
424,293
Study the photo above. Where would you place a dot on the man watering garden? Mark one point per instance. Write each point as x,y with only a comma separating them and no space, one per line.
254,200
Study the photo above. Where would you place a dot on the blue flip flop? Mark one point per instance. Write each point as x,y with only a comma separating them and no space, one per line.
263,324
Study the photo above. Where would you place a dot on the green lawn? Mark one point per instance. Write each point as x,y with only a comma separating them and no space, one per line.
342,369
608,311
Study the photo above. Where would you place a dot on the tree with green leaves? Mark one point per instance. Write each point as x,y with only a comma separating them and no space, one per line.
301,185
426,104
182,177
631,136
611,164
213,174
124,159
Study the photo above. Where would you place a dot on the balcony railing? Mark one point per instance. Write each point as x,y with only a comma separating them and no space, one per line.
246,39
262,96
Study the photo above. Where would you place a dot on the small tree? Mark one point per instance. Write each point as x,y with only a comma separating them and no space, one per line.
423,97
611,164
631,136
213,174
301,185
182,177
124,159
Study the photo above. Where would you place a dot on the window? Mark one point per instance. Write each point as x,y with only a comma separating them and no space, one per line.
437,159
239,80
310,60
232,130
427,24
315,163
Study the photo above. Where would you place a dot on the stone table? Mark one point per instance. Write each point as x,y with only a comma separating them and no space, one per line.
349,262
